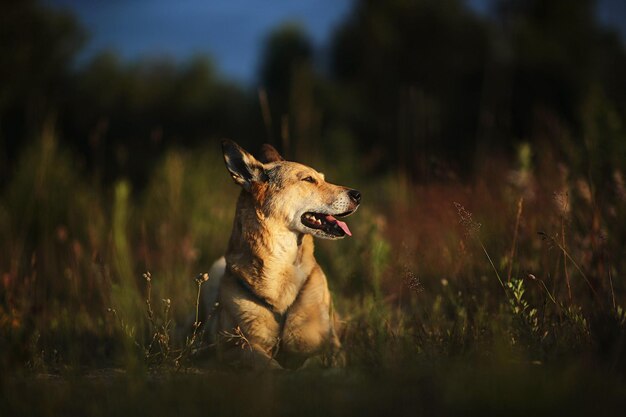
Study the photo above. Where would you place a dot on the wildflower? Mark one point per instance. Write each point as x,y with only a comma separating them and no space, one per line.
203,277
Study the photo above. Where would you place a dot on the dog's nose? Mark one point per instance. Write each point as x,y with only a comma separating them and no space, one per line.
355,196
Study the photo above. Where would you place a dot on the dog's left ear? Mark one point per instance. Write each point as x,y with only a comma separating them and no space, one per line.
243,167
269,154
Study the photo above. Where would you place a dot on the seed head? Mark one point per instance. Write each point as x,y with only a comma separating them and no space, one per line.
413,282
203,277
471,227
562,202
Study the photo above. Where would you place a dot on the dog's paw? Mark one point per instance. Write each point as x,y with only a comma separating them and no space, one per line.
314,362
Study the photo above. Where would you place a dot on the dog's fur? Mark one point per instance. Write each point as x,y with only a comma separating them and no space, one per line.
267,302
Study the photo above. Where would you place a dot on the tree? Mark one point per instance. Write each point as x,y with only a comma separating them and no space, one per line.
38,46
413,70
287,78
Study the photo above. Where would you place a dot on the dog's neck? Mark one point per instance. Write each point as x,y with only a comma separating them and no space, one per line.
272,260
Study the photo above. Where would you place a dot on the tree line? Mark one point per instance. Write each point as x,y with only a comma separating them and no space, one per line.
425,86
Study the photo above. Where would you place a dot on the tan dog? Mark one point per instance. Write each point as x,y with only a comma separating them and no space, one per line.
273,305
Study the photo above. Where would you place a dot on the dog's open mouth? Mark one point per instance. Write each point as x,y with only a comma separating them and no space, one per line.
326,223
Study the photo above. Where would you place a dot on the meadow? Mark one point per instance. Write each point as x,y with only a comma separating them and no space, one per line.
499,292
485,271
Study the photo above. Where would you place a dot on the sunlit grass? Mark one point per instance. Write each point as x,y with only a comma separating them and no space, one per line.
422,284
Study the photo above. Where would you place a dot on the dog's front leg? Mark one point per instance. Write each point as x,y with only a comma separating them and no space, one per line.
249,335
335,355
310,329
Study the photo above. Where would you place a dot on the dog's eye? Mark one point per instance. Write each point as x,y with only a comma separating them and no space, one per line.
309,179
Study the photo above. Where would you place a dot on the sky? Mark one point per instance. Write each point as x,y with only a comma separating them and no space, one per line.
230,31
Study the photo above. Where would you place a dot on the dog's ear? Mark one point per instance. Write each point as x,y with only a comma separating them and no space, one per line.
243,167
269,154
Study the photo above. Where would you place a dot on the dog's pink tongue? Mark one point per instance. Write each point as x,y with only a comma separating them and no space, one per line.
341,224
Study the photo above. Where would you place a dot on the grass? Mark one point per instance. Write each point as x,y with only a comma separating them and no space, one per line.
431,389
509,300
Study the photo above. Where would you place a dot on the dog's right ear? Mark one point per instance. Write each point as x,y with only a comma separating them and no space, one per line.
269,154
243,167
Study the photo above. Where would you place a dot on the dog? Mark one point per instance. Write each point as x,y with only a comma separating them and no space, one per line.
267,303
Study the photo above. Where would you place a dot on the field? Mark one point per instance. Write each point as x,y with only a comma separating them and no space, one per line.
485,275
491,294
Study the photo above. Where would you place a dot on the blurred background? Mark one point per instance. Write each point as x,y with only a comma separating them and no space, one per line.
111,115
427,87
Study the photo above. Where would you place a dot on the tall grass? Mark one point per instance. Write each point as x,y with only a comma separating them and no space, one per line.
529,282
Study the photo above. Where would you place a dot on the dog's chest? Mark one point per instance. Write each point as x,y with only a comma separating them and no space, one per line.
296,279
287,285
299,275
287,264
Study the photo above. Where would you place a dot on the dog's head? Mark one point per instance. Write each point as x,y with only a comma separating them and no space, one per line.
294,194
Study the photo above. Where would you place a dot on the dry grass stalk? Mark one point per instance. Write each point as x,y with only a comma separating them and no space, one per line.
520,205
